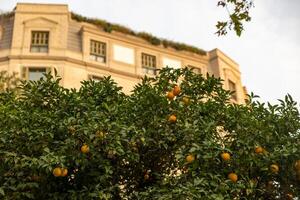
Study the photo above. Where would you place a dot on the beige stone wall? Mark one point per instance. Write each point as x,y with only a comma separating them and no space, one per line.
69,50
228,70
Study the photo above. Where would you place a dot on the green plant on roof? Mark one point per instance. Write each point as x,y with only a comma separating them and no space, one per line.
109,27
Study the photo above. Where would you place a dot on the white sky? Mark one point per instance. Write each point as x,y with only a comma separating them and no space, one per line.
268,51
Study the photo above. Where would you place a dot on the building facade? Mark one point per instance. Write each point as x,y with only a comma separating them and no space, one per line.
38,38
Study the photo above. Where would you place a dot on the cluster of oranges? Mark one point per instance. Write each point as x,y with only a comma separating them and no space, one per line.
231,176
274,168
60,172
225,156
170,96
175,92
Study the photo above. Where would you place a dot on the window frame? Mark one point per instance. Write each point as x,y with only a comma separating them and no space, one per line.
98,51
231,86
40,47
26,70
144,64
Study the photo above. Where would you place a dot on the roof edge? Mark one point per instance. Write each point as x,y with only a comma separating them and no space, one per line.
43,4
219,52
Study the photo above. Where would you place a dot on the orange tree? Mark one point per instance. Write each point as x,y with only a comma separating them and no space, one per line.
175,137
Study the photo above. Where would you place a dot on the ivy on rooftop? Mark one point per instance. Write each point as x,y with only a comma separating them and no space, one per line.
109,27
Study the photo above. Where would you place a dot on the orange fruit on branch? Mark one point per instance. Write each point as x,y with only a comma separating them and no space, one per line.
274,168
259,150
233,177
176,90
85,149
57,172
170,96
172,118
190,158
225,156
64,172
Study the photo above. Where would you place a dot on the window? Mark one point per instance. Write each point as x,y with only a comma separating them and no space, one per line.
95,78
195,69
149,64
35,73
39,41
232,87
98,51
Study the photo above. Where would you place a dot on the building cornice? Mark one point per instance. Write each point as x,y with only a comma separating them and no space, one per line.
232,67
71,60
222,54
42,13
44,4
25,8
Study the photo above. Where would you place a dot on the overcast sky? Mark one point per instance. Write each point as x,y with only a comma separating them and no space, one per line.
268,51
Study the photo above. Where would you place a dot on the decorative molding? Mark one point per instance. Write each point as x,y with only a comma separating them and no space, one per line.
74,61
41,19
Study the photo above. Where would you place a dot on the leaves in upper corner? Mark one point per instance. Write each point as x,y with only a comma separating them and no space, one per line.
238,11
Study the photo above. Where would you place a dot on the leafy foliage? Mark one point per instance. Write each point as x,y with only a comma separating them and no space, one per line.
136,151
8,81
238,11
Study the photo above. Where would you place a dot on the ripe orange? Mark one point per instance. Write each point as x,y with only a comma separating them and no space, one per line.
186,100
172,118
64,172
297,165
176,90
233,177
274,168
190,158
259,150
57,172
225,156
85,148
170,95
